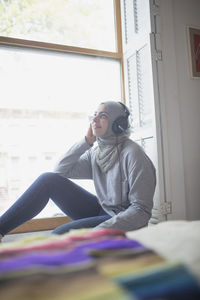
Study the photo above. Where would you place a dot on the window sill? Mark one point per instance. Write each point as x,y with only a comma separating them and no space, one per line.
41,224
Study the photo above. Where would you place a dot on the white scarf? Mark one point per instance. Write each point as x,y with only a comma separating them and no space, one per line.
107,154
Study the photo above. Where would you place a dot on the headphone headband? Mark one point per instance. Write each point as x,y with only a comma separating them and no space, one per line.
126,110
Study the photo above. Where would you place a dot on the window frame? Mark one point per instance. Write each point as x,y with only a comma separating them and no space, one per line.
50,223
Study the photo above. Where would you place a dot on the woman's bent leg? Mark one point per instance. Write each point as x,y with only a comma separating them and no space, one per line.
80,205
72,199
82,223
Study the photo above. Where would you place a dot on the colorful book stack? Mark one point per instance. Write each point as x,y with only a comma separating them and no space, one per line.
90,265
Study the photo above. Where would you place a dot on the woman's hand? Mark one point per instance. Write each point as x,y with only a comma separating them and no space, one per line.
90,137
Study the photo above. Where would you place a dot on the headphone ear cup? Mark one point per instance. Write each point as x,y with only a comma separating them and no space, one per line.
120,125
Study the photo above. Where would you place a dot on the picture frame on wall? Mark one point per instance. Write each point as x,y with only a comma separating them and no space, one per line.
194,49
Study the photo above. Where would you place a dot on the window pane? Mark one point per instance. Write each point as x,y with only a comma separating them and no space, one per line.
45,100
81,23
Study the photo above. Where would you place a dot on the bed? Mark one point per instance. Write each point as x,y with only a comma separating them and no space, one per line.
157,262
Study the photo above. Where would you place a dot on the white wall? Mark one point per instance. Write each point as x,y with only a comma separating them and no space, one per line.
180,97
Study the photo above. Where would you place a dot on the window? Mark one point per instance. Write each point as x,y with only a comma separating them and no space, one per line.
79,23
48,89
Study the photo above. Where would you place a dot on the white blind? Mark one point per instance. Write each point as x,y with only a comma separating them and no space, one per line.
139,81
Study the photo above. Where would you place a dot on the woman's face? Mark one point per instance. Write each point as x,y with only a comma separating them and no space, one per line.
100,121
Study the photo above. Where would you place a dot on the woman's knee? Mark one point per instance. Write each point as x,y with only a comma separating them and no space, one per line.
49,177
53,182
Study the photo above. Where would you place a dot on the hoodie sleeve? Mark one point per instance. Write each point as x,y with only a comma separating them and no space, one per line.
76,163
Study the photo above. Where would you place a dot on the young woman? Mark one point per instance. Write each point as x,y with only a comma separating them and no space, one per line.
124,178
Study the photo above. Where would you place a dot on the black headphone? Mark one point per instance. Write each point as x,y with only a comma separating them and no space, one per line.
121,123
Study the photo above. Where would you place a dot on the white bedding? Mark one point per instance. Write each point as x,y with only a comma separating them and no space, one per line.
174,240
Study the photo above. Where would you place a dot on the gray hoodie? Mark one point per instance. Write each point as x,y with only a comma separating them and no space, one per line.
125,191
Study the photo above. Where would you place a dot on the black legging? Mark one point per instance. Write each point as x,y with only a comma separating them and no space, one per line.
77,203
